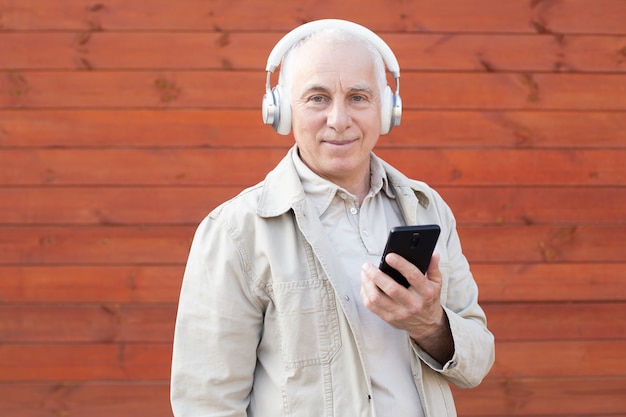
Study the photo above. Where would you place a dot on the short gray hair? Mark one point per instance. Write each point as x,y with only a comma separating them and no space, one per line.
286,77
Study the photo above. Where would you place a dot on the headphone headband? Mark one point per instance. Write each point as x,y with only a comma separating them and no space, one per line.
301,32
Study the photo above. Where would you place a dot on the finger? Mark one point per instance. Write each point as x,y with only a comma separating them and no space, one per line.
368,286
433,273
406,268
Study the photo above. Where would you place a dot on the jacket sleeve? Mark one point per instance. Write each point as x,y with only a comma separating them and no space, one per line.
218,327
474,348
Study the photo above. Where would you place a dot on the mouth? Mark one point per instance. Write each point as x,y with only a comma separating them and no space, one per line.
339,142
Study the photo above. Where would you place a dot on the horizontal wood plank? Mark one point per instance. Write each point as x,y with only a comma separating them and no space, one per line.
85,362
144,284
97,399
101,284
162,205
104,323
249,50
523,397
544,244
243,90
552,321
110,205
513,16
550,282
536,205
244,128
559,359
135,245
207,167
494,397
119,323
170,244
151,361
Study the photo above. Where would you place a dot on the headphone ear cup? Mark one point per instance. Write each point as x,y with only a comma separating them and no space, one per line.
269,109
282,124
386,111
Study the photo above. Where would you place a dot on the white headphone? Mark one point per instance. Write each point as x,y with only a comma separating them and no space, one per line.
277,110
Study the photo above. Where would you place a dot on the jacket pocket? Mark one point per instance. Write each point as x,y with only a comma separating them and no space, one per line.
308,322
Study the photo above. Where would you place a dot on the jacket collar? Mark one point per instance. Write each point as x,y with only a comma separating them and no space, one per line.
282,188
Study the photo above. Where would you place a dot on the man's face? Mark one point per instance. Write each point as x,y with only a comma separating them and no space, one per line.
335,109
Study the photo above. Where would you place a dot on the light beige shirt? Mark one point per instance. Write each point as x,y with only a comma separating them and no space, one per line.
358,234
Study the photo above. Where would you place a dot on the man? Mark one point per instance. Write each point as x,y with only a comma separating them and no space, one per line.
283,311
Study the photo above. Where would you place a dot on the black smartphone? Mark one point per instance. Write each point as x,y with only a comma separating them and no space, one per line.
414,243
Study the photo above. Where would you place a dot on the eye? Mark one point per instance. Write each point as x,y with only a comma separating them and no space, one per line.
360,99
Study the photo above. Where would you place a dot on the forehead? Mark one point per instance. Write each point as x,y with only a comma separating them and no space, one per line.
323,61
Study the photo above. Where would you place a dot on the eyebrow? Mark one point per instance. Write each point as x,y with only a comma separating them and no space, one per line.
323,89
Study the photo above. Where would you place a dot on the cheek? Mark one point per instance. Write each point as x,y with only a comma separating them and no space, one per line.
306,122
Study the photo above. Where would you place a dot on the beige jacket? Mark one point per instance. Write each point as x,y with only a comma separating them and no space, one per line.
266,325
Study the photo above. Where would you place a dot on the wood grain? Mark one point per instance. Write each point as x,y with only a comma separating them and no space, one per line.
235,128
100,50
169,245
122,124
151,323
245,167
513,16
100,284
188,205
156,89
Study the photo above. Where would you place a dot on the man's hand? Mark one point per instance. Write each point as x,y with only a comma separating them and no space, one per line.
416,309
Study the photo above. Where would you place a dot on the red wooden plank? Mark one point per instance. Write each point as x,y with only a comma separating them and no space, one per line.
100,245
499,167
243,90
133,166
559,359
85,362
536,205
104,323
170,245
150,323
99,284
185,205
552,321
544,244
244,167
550,282
244,128
249,51
98,399
553,397
512,16
494,397
528,282
110,206
145,284
151,362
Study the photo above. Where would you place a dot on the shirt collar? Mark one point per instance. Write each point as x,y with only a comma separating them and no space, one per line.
322,192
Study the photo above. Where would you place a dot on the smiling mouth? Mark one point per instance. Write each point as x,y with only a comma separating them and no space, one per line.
339,142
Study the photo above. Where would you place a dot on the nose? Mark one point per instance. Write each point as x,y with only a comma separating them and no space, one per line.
338,117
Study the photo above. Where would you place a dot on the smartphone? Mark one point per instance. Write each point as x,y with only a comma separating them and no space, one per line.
414,243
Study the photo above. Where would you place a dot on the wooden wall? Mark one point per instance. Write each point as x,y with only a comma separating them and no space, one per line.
123,122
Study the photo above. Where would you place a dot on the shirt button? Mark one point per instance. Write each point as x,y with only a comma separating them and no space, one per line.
343,196
353,210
